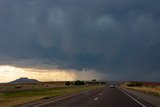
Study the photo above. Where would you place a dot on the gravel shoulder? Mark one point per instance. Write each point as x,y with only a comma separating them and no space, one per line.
149,98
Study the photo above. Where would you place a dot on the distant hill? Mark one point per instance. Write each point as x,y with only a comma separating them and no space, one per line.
24,80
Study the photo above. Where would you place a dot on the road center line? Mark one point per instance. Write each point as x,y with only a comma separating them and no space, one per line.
133,99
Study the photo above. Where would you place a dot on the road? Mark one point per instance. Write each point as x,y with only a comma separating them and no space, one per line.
103,97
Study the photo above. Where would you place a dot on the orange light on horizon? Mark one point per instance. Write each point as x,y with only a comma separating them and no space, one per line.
9,73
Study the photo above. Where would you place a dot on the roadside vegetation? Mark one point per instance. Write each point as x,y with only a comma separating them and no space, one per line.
19,96
146,87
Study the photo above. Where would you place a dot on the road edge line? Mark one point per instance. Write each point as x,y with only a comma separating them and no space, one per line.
61,98
52,101
133,98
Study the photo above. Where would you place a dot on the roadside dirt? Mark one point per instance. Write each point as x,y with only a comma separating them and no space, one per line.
149,98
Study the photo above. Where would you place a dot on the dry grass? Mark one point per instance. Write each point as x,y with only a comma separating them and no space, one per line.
14,98
17,101
146,89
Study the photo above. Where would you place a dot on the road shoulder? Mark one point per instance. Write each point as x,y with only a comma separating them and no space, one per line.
154,100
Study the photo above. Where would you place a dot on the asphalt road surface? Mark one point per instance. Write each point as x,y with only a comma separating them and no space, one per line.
103,97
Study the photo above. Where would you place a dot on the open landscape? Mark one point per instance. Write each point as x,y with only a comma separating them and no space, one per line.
17,94
79,53
33,94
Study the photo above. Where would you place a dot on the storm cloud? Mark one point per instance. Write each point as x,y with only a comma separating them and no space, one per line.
117,37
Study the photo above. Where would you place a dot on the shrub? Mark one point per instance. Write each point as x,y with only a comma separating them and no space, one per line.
78,82
135,84
67,83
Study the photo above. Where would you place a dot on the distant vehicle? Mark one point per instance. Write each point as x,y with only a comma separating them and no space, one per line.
18,86
112,86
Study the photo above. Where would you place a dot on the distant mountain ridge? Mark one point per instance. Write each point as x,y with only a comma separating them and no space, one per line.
24,80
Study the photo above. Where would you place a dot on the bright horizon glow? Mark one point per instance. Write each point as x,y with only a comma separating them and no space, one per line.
9,73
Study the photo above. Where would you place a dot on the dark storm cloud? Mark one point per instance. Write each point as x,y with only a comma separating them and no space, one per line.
119,37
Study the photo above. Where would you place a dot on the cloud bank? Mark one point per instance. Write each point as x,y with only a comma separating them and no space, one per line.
117,37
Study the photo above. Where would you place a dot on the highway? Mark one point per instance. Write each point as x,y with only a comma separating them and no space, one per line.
102,97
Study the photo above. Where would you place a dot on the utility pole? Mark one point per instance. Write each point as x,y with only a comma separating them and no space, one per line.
65,78
73,78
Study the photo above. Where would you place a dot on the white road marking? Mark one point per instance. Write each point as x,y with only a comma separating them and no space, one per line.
133,99
55,100
96,99
61,98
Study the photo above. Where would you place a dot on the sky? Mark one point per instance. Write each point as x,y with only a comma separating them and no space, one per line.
80,39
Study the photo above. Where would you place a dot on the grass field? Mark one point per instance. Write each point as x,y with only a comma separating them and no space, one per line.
14,98
148,89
